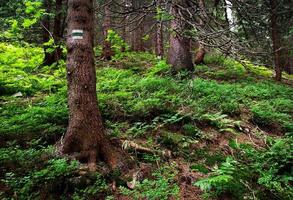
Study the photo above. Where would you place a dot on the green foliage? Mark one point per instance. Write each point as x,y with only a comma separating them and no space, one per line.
93,190
117,43
162,187
28,12
162,15
160,68
223,179
252,173
50,176
139,97
221,122
33,118
18,67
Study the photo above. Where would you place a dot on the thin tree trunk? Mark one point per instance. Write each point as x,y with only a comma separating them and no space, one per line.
49,57
159,40
179,55
139,38
107,51
276,40
200,54
159,48
85,135
57,32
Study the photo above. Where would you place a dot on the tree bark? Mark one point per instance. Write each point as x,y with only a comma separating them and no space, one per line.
57,32
107,51
159,48
200,54
179,55
85,135
49,57
276,40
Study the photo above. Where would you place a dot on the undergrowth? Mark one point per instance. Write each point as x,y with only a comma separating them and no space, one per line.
139,98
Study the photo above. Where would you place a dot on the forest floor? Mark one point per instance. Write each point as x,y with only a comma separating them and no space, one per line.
223,131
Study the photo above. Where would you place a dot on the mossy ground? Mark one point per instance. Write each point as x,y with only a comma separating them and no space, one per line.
198,118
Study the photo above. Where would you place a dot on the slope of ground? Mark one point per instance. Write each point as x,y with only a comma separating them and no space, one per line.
222,132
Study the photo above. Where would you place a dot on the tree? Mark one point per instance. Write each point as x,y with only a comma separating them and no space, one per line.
49,57
107,51
179,55
159,44
54,32
266,26
85,135
199,56
276,40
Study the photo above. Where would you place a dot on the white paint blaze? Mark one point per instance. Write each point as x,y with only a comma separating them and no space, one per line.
77,34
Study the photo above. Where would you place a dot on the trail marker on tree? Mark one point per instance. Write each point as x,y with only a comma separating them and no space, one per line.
77,34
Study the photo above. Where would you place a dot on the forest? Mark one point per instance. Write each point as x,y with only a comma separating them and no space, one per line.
146,99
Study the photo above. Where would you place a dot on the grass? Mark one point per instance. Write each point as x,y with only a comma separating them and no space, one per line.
139,99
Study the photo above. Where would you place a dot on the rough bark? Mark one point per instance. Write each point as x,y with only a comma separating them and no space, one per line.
276,40
85,135
107,51
179,55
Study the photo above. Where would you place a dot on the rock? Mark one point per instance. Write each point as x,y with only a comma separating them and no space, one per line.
18,94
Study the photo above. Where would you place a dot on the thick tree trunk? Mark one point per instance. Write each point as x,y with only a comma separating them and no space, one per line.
276,40
179,55
85,135
107,51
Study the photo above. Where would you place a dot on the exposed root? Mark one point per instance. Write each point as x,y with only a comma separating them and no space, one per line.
132,145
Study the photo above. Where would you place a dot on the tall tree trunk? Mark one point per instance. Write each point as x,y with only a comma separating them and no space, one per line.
107,51
139,37
85,135
179,55
159,45
276,40
49,56
57,32
200,54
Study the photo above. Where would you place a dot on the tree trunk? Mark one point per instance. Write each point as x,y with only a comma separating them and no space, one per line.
159,45
200,54
49,57
52,57
276,40
139,38
85,135
179,55
107,51
57,32
159,40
